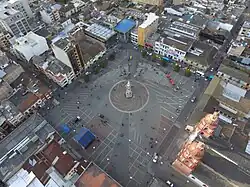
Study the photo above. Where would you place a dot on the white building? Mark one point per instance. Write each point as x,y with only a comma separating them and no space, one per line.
22,6
173,47
245,30
50,14
13,21
24,179
30,45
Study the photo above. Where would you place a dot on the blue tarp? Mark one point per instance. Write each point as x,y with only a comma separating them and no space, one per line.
65,128
84,137
125,25
167,59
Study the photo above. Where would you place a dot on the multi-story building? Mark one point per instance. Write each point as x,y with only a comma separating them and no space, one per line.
232,102
173,47
54,69
234,76
9,72
30,45
148,27
184,29
10,117
102,34
13,21
78,51
22,6
4,40
72,7
30,94
21,142
150,2
200,56
244,31
50,13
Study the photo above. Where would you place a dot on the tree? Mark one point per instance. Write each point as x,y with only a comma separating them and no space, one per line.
97,70
164,63
188,72
143,53
176,67
111,57
140,47
86,78
103,63
154,57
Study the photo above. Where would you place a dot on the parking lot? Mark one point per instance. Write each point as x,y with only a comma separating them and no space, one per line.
126,141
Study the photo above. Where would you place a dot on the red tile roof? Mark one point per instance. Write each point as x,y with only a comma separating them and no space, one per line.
95,177
64,163
28,102
39,169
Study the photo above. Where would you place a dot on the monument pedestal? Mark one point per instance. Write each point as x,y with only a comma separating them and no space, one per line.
128,93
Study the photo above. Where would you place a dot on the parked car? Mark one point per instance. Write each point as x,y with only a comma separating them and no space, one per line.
171,81
101,116
155,157
168,76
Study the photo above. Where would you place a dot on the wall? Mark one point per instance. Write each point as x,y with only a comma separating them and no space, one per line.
46,17
61,55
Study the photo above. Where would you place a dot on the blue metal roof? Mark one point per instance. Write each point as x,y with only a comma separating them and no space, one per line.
84,137
125,25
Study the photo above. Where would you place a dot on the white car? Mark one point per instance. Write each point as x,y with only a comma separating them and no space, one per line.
193,99
155,157
169,183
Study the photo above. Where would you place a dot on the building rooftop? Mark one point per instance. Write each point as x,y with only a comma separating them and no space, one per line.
51,64
198,19
100,31
246,25
8,109
184,29
125,25
151,17
62,161
232,72
22,140
67,7
62,43
23,100
95,177
201,53
178,42
6,12
30,45
88,45
229,95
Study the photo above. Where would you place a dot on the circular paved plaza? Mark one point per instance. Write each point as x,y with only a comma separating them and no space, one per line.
128,105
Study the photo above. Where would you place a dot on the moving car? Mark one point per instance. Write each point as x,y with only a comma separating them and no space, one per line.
193,99
101,116
155,157
169,183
